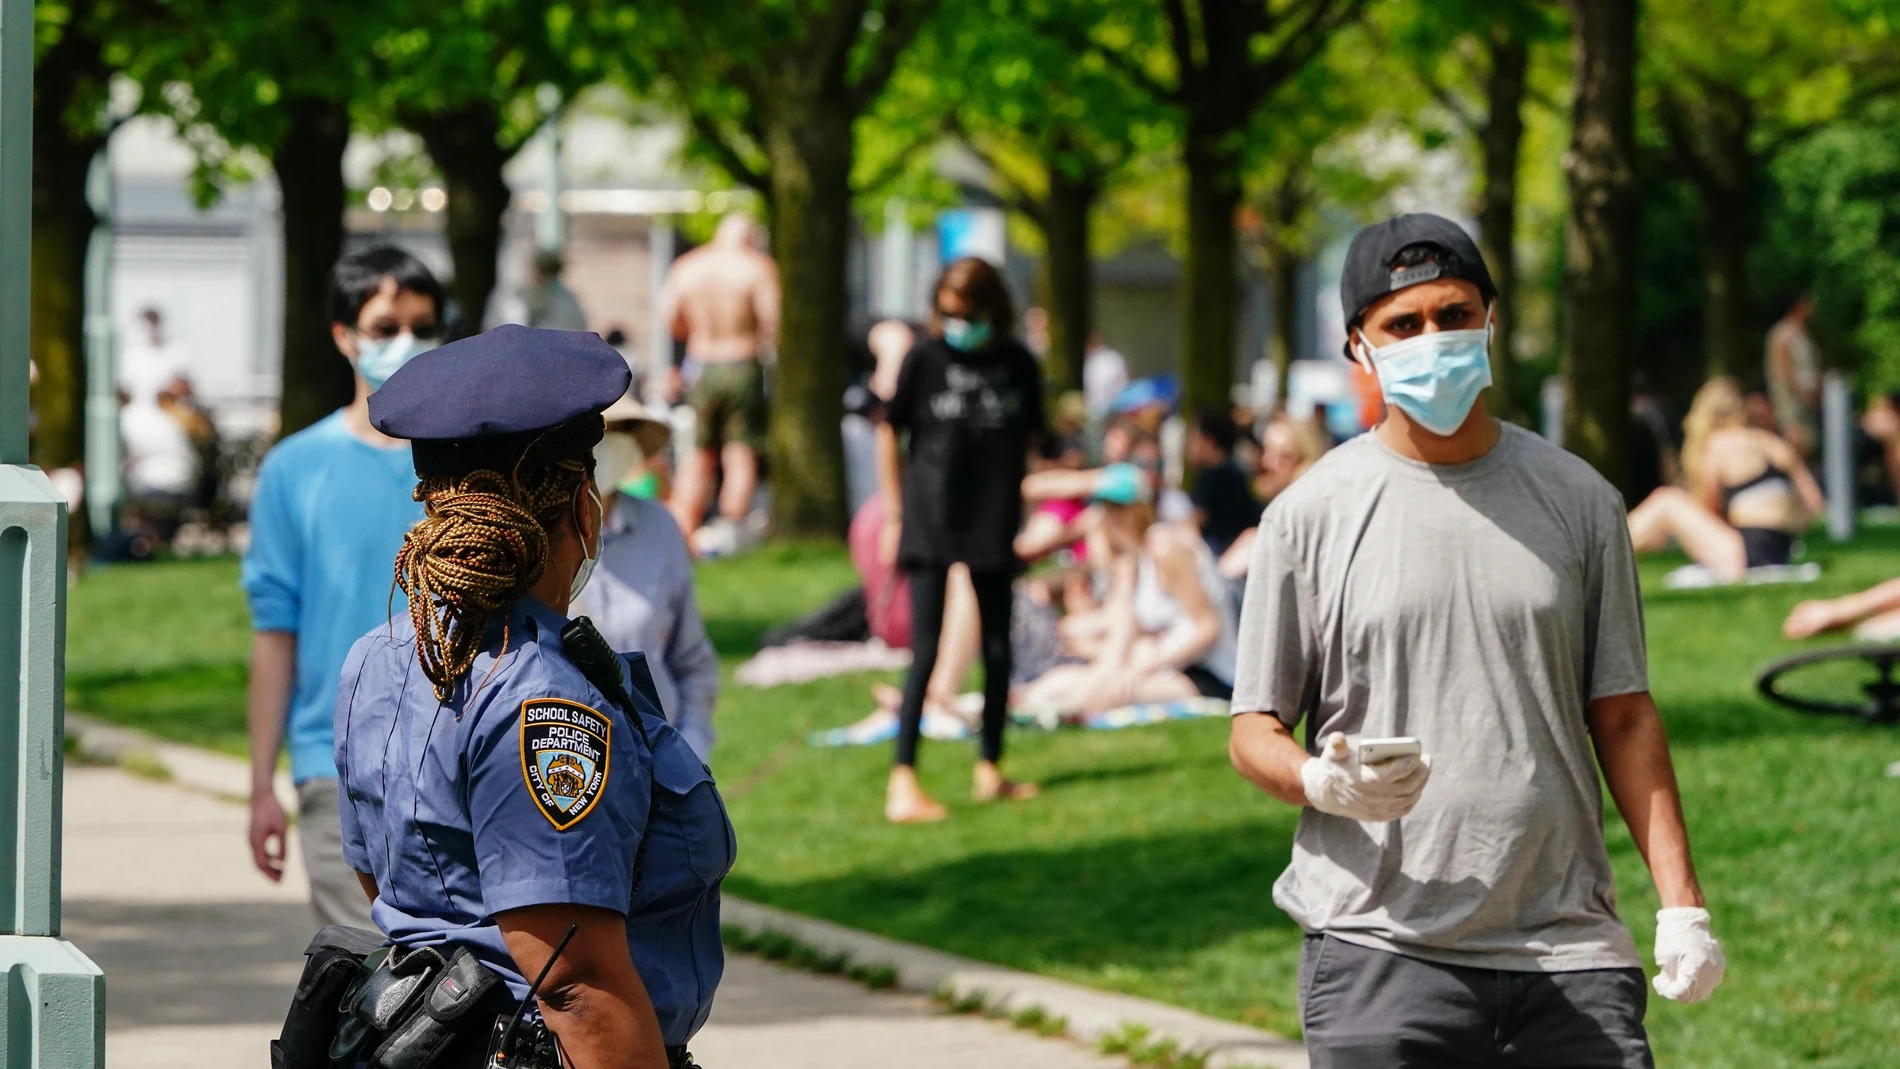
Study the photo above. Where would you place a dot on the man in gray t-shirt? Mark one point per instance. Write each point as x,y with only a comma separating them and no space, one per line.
1458,580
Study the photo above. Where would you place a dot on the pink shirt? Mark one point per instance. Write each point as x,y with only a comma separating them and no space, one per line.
886,592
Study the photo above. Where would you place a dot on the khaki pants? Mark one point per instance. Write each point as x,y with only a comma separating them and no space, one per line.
335,894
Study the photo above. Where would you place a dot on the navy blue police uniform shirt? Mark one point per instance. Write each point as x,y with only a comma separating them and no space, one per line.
529,788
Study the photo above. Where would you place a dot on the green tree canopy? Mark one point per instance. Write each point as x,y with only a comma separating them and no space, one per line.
1725,104
277,77
1213,63
773,92
1054,125
1834,227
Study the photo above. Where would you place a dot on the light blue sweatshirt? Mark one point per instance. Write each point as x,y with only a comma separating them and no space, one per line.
329,515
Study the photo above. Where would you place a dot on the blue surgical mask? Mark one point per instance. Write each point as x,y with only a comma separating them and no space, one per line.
1434,378
378,358
963,335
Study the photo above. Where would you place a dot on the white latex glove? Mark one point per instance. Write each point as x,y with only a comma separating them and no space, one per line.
1691,958
1337,783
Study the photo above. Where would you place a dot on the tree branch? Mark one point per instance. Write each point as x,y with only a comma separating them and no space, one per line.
895,166
1133,72
1679,145
836,34
1322,19
727,153
1011,193
1460,111
903,21
1865,94
1181,40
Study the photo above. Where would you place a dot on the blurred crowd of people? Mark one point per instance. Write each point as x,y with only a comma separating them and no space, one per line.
1089,549
1735,490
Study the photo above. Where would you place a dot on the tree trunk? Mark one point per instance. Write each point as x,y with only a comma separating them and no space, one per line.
1501,138
1209,300
1724,178
62,225
1601,236
1068,276
1730,340
809,148
465,144
309,165
1283,288
1284,221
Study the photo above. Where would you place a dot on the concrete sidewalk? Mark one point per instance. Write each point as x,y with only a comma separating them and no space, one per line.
201,954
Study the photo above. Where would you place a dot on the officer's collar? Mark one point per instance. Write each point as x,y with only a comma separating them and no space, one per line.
532,611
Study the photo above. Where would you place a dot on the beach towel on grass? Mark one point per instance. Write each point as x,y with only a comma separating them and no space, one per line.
802,662
1696,577
945,726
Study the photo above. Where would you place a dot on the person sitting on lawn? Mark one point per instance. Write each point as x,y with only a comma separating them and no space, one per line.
1224,502
1162,634
1287,449
1749,496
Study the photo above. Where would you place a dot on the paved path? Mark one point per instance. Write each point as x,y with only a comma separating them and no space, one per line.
201,953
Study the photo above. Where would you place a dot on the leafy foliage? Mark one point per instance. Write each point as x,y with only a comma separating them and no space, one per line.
1835,228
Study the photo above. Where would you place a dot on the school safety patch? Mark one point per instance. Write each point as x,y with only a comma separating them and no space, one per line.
564,758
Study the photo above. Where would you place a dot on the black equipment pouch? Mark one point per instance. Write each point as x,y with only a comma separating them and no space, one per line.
330,964
394,990
389,985
452,1005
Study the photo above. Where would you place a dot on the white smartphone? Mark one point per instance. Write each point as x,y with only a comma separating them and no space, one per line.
1375,751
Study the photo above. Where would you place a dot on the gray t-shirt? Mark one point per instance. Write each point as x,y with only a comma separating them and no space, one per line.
1480,607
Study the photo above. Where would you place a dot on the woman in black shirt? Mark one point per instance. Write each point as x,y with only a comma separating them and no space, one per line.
971,398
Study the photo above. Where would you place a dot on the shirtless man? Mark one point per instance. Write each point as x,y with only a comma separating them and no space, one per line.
1793,365
722,299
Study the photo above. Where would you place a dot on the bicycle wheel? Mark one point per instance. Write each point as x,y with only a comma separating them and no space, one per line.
1861,681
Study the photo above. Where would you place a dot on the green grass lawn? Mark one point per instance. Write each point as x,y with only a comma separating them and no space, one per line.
1147,865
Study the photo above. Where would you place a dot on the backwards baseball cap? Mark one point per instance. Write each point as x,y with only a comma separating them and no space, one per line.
1370,273
1123,484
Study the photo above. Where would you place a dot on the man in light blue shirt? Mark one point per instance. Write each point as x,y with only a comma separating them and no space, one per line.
333,502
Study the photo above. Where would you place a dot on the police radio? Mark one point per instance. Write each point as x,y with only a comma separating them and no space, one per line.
502,1056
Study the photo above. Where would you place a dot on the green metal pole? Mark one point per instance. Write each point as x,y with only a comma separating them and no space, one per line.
52,999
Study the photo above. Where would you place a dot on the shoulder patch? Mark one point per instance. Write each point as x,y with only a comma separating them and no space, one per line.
564,758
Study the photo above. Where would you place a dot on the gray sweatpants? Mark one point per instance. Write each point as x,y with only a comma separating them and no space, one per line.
335,894
1373,1009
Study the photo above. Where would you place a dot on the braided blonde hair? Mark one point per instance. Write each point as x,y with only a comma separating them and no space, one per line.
482,544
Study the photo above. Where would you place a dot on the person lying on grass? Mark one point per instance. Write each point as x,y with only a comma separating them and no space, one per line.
1875,610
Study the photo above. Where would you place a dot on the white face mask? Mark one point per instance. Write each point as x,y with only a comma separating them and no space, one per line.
379,358
586,571
1434,378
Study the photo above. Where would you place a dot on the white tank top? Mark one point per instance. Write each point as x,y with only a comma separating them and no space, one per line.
1156,611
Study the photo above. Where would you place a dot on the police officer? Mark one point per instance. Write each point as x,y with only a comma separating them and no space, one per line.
493,797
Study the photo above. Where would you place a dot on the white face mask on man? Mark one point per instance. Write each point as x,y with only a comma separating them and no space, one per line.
1434,378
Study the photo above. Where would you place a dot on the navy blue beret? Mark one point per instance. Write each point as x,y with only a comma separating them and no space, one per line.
484,400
